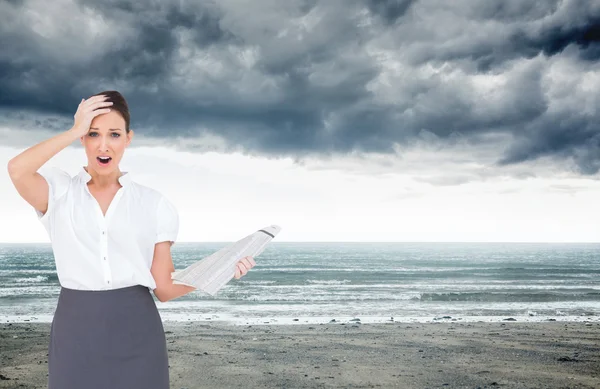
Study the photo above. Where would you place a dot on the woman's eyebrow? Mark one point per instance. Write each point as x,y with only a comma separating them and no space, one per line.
110,129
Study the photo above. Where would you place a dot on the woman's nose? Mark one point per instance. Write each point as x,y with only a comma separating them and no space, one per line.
103,145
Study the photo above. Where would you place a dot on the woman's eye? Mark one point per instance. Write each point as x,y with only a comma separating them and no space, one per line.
94,134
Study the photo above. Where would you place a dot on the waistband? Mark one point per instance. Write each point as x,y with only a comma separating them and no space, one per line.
126,290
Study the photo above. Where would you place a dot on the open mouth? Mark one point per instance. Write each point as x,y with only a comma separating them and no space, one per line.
104,160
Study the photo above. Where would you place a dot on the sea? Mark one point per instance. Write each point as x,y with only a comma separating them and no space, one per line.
298,283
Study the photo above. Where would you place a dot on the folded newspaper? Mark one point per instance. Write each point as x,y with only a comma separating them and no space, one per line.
211,273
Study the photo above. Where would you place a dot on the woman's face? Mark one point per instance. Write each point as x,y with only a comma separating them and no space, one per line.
106,138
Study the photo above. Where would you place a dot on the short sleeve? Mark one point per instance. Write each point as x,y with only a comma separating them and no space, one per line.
58,184
167,222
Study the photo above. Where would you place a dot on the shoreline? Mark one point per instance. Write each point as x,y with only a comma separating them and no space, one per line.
221,319
509,354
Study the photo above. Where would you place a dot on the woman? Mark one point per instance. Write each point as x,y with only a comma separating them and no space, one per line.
111,239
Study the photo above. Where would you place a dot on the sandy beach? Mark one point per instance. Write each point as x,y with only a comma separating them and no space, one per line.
349,355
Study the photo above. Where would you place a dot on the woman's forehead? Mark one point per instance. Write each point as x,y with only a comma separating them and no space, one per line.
105,122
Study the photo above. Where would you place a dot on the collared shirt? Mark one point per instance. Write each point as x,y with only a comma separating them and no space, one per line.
94,251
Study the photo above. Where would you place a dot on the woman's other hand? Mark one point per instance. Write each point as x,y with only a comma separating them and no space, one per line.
87,111
243,266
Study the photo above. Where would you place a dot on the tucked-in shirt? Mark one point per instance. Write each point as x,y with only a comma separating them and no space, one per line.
93,251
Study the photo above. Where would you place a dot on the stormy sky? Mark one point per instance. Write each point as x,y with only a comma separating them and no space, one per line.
427,120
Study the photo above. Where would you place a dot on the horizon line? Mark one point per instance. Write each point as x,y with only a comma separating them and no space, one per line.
353,241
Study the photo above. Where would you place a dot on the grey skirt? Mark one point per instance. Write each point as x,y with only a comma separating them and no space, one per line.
107,339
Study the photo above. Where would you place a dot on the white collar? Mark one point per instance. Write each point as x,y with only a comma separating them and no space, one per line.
124,179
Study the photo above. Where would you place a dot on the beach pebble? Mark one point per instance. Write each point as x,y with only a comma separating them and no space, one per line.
567,359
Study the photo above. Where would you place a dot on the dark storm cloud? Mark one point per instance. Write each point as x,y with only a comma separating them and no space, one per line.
574,136
305,77
554,39
389,10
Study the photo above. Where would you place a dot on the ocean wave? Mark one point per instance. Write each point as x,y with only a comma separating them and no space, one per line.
328,282
293,295
257,282
519,296
327,297
19,292
21,270
30,280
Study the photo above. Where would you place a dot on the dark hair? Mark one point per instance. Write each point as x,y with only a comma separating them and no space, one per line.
119,105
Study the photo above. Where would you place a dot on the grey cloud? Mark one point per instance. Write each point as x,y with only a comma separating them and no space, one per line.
320,77
389,10
494,32
568,136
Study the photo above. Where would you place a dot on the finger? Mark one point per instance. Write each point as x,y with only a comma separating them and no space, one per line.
246,262
99,112
242,270
95,99
241,266
238,274
253,262
100,104
95,103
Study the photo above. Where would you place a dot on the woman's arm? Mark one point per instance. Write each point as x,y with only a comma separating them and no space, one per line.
23,168
162,267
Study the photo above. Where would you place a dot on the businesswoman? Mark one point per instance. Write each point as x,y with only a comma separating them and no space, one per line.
111,239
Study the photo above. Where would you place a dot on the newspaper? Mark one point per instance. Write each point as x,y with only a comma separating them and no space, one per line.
211,273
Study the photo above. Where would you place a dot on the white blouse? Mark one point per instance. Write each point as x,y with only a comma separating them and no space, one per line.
97,252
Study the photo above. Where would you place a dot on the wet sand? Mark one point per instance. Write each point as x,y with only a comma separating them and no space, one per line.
349,355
